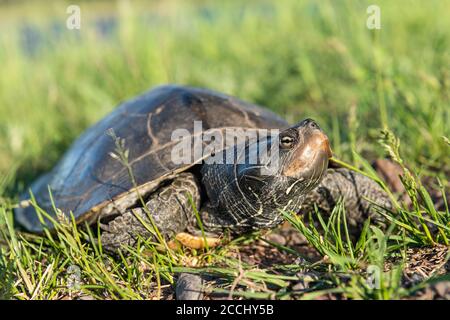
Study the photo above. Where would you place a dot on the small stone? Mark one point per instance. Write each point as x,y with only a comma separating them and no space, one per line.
416,278
276,238
86,297
306,278
189,287
299,286
297,238
301,261
193,262
442,289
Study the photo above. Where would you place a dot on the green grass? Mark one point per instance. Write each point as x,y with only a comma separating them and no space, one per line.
376,93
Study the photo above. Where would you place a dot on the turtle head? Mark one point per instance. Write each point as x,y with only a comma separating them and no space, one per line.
253,196
303,155
304,150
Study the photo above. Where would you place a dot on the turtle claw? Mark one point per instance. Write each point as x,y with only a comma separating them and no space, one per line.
193,242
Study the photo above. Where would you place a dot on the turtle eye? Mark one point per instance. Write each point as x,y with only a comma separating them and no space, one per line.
313,125
286,141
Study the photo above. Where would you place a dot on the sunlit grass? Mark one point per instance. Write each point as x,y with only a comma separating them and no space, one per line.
299,58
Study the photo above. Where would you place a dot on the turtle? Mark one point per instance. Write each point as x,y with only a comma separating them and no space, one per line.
131,163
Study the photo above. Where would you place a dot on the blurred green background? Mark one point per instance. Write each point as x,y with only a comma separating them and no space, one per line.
299,58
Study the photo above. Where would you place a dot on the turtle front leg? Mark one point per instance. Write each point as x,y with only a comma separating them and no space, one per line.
353,188
170,208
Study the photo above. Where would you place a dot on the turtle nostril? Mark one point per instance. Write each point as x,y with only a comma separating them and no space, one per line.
308,123
311,123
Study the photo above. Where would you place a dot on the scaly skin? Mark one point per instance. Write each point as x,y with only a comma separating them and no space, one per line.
352,187
170,208
173,213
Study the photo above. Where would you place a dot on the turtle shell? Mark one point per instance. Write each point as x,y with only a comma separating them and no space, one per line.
89,182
